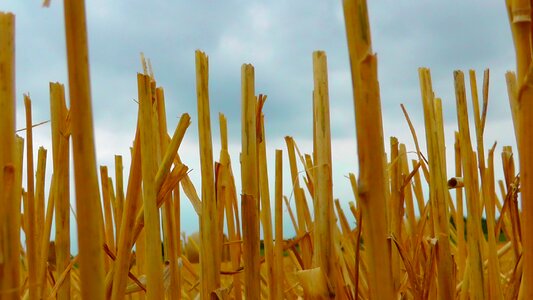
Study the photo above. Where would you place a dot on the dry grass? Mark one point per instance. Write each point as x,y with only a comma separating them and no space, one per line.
394,251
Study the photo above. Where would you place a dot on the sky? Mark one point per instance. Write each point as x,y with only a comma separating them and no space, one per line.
278,38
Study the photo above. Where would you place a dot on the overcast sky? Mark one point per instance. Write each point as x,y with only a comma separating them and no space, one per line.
278,38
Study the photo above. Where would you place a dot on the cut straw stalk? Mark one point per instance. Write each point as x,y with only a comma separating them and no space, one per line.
438,187
210,257
476,279
9,212
112,198
278,248
60,150
108,219
88,208
44,242
140,256
477,123
522,107
226,182
250,186
521,97
494,286
461,245
32,241
510,204
10,286
174,288
512,93
177,224
395,222
324,255
519,13
119,182
406,190
525,146
18,191
370,146
39,198
154,267
266,215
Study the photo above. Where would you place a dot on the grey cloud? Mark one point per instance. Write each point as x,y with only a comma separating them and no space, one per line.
445,37
278,38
